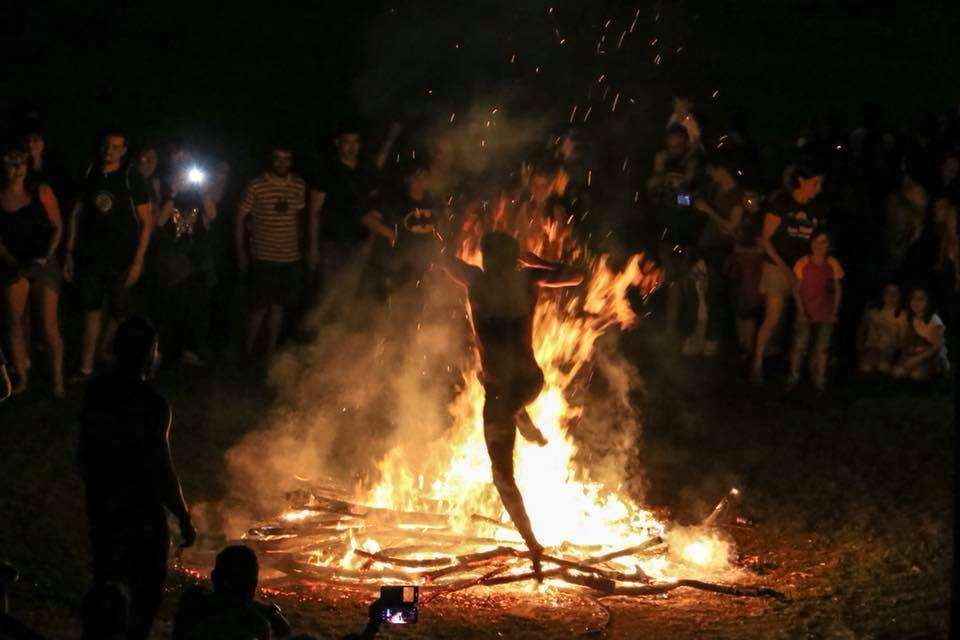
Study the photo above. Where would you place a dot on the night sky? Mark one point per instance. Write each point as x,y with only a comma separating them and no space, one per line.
246,72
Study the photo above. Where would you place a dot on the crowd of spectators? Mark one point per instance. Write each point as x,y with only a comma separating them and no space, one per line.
847,258
170,231
787,267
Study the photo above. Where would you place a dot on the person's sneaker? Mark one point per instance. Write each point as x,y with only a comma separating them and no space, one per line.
81,376
756,377
710,348
192,359
793,380
820,384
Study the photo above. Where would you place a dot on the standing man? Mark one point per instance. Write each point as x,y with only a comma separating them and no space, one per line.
129,476
107,239
339,198
271,207
502,297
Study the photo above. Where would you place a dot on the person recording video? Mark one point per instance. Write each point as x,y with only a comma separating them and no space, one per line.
185,269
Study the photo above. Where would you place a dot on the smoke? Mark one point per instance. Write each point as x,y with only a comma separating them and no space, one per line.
376,373
609,433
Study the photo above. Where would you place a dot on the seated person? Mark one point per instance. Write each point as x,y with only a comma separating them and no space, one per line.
924,354
881,332
230,611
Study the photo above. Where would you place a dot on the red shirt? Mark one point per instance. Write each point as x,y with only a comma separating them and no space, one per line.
818,287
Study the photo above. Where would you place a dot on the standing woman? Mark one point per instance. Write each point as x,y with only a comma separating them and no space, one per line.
30,231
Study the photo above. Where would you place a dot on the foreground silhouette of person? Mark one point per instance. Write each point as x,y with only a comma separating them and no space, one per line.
129,476
10,627
106,612
230,610
502,297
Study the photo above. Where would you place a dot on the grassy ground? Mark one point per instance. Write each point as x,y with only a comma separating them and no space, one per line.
850,494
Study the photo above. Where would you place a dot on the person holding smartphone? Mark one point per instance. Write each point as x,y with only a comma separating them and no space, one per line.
670,190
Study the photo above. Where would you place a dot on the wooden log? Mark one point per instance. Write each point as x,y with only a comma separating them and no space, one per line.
730,590
404,562
717,510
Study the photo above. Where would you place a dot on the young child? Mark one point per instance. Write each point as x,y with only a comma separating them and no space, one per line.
744,267
924,354
683,115
817,294
881,333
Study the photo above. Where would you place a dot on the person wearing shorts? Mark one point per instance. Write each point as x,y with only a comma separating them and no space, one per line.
791,220
109,232
818,301
270,209
30,231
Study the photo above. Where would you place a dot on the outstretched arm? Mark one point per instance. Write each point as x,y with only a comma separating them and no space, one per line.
531,260
563,276
459,271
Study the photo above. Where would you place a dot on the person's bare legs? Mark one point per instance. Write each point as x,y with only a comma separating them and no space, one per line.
106,339
746,334
15,302
500,435
528,429
771,318
47,300
818,366
254,322
92,322
274,324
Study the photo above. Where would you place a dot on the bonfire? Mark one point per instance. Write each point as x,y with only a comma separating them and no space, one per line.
432,516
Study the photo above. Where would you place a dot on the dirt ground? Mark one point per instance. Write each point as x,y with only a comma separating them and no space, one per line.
850,495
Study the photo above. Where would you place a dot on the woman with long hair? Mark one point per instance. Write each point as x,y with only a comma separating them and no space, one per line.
924,355
882,331
30,231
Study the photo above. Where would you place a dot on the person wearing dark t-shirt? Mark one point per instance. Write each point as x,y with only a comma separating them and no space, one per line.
788,226
230,610
184,261
107,240
405,226
722,204
675,172
339,193
339,196
30,231
125,463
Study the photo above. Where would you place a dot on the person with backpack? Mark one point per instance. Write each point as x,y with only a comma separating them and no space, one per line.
107,239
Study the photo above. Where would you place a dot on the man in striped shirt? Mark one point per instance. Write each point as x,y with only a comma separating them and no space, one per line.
270,212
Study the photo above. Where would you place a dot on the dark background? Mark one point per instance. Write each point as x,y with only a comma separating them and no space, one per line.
240,73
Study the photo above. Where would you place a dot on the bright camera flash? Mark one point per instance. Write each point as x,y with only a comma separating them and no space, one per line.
195,176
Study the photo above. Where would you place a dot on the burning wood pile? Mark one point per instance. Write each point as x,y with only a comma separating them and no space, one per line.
431,516
318,541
